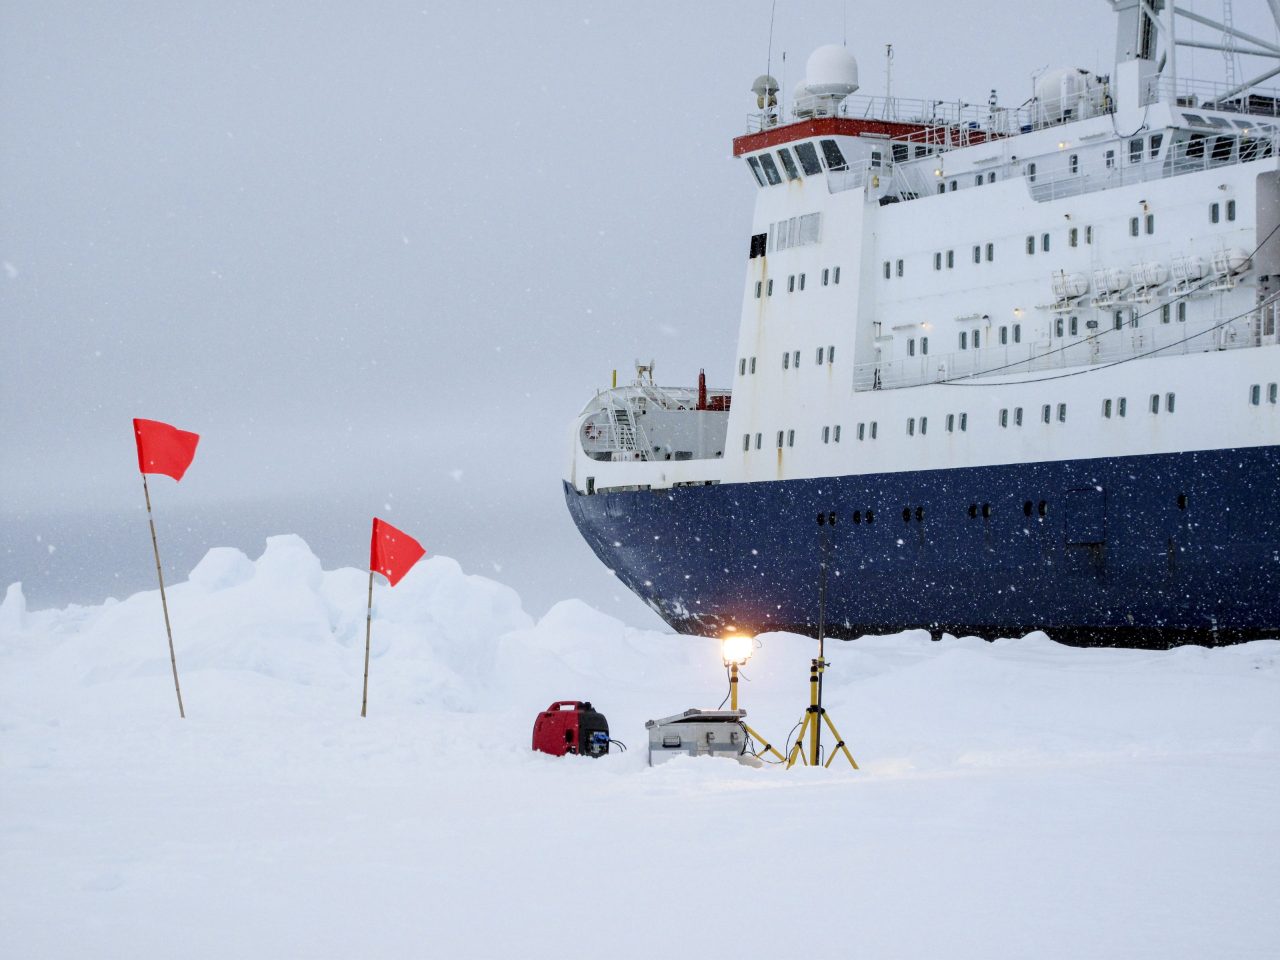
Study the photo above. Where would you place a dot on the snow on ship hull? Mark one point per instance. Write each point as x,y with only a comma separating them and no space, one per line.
1148,551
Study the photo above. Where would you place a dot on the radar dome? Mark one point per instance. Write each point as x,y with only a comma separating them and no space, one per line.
831,71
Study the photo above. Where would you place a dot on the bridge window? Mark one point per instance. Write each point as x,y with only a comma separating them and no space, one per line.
770,170
788,164
1222,149
759,245
831,153
756,172
809,158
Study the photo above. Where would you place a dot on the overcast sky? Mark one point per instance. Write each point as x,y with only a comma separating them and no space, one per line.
380,254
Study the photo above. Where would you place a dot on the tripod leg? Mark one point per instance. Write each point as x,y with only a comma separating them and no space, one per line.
768,747
839,744
797,750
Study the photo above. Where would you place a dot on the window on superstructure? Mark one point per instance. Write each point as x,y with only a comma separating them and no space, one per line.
1215,213
802,281
1110,158
937,261
901,153
1133,226
752,366
862,431
770,170
1195,146
1182,311
911,346
964,339
1004,336
831,353
826,434
820,351
1031,245
1062,413
1117,322
809,159
1166,313
919,152
1046,413
888,269
1004,417
951,259
1106,408
746,442
873,436
791,438
911,426
899,271
786,360
975,339
951,423
1151,223
742,367
1044,243
759,439
977,181
788,164
1168,403
1031,172
1135,150
1017,333
991,177
1057,327
1223,147
1088,234
1122,407
924,426
1017,416
991,252
768,287
924,346
831,153
1231,210
835,434
1073,163
1155,403
835,275
1073,325
977,254
942,186
1271,392
955,185
756,172
780,436
1157,139
964,422
759,288
1255,394
1249,149
826,276
759,245
795,359
1073,237
1133,316
877,158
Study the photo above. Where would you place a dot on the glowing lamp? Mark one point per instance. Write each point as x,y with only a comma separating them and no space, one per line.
735,649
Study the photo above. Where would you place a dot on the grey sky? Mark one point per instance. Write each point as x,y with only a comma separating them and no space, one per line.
380,254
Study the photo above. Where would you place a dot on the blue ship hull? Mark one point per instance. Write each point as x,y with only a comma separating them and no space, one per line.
1146,551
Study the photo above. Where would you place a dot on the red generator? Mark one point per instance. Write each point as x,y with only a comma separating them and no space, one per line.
571,726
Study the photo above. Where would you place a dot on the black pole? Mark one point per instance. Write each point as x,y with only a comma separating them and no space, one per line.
822,622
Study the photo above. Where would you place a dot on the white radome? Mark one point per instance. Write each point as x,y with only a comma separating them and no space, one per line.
831,70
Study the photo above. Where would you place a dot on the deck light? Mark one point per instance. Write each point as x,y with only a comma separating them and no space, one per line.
736,649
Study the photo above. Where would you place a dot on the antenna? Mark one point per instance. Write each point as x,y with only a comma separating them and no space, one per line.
890,111
768,60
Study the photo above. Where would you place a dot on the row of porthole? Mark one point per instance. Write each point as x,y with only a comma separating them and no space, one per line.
1029,508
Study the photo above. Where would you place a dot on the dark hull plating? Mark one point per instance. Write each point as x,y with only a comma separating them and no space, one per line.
1146,551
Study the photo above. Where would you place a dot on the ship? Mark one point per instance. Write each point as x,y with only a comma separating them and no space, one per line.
999,369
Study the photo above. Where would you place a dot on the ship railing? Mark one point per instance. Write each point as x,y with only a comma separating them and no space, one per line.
1183,158
1194,94
1256,328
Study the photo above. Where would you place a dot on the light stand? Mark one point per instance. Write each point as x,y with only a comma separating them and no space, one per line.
816,714
735,651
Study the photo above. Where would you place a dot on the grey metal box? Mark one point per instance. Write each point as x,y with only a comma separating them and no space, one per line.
699,733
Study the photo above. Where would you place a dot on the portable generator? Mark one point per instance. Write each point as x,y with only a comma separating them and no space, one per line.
571,726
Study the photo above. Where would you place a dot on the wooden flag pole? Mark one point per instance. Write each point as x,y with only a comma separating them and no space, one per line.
173,660
368,627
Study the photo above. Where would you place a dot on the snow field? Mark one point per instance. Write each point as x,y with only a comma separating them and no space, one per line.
1015,799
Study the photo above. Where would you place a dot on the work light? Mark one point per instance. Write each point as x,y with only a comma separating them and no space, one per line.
735,648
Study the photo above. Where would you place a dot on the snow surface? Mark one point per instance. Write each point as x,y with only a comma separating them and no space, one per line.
1018,799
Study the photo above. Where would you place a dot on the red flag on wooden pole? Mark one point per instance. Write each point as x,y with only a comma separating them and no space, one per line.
392,553
168,450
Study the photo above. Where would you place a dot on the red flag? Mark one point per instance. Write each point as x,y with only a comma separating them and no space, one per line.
164,449
393,551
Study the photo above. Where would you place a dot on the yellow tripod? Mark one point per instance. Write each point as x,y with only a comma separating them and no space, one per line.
733,705
812,718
